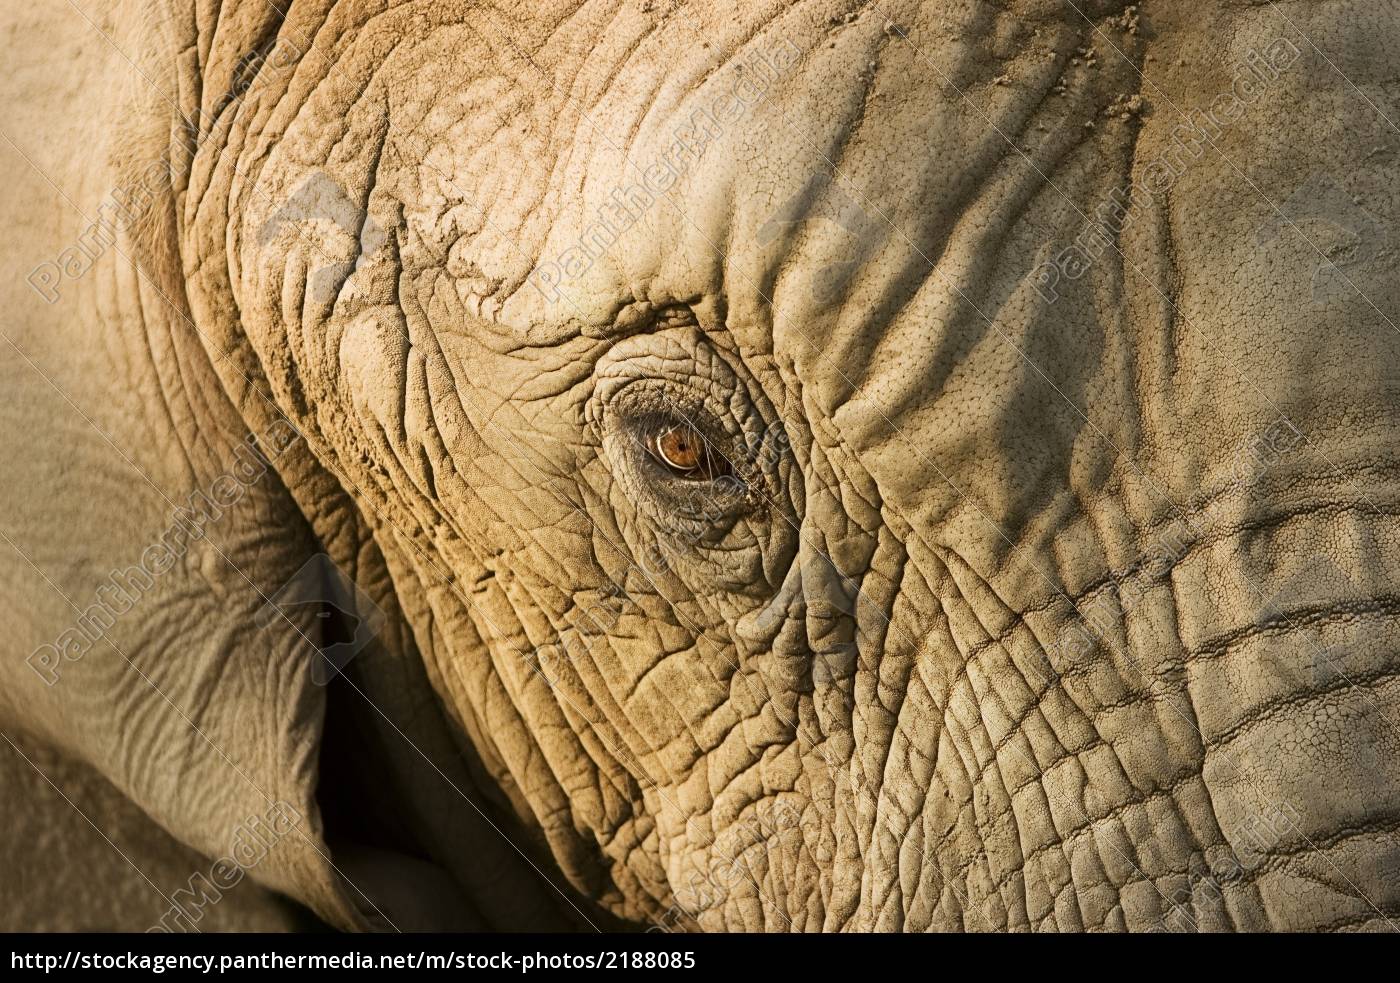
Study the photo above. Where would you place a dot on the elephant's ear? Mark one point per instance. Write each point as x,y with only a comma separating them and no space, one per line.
159,578
170,606
145,533
154,573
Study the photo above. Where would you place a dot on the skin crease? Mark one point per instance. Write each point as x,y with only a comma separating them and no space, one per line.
851,690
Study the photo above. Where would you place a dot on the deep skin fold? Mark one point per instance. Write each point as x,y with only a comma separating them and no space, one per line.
978,463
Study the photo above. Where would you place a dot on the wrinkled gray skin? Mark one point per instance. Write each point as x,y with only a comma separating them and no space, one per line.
929,666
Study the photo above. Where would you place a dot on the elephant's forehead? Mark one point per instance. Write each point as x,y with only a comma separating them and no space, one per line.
741,160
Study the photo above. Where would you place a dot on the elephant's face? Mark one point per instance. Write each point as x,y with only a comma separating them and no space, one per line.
797,548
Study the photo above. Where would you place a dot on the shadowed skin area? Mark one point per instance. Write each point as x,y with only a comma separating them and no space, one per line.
1007,593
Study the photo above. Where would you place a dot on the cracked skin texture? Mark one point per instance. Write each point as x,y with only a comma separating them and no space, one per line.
834,688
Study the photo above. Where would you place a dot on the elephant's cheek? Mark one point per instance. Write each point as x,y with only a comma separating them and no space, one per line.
1293,649
1211,744
1217,750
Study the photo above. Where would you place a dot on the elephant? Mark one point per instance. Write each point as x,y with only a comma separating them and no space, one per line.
646,465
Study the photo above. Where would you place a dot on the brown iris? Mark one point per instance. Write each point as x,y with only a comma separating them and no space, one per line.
685,451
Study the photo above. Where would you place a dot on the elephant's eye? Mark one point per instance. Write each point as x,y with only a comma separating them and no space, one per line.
687,453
